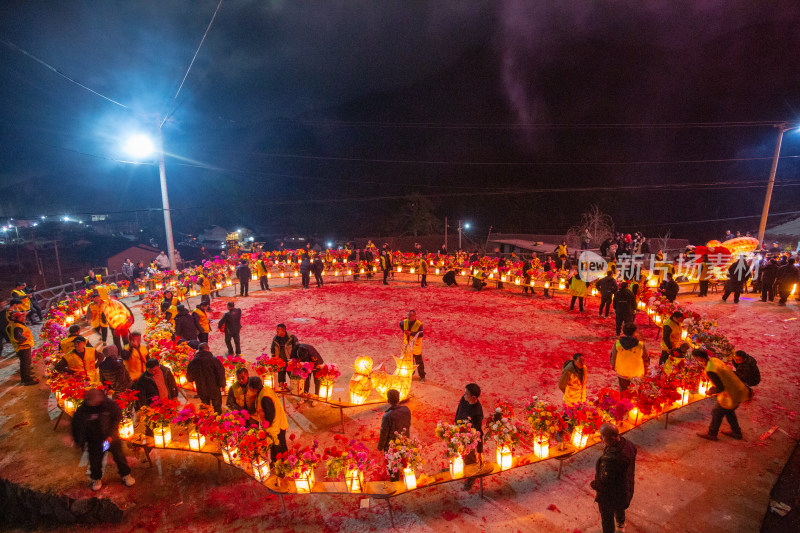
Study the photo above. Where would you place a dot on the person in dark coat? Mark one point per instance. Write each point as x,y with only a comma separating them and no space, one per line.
607,287
208,375
95,423
305,271
308,354
244,274
185,327
624,305
768,276
317,267
614,478
738,275
746,368
156,382
606,244
112,372
471,410
386,263
231,325
669,288
449,277
787,279
396,421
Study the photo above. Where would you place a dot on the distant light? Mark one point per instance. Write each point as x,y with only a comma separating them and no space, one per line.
5,229
66,219
330,244
140,146
466,226
251,239
35,224
238,231
43,217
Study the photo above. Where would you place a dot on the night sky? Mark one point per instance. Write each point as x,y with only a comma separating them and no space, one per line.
322,117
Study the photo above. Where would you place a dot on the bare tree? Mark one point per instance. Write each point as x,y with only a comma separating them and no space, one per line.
663,241
599,224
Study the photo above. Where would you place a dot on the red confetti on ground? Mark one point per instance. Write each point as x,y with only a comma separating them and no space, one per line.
552,507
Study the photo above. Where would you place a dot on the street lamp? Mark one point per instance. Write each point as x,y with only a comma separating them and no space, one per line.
141,146
762,226
460,228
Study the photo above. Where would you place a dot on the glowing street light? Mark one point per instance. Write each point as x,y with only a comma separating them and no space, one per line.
142,147
762,226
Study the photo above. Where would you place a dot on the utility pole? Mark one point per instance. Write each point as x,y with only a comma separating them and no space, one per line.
58,264
165,199
486,247
459,235
445,233
762,226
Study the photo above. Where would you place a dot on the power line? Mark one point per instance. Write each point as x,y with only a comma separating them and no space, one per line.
211,23
54,69
512,163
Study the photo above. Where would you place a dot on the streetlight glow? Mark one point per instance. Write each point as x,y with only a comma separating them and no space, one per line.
466,226
140,146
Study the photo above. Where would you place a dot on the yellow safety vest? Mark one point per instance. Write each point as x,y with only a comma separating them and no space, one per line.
25,306
98,318
629,363
412,330
135,365
203,317
261,270
674,336
26,332
575,391
423,266
205,286
562,250
239,395
735,391
83,366
280,422
66,343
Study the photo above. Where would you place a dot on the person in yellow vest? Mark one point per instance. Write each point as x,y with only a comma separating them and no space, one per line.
730,391
675,357
66,343
704,275
478,279
134,356
96,317
19,293
80,360
263,267
412,332
201,320
423,271
671,336
270,413
629,357
573,380
204,282
240,397
22,340
577,288
92,279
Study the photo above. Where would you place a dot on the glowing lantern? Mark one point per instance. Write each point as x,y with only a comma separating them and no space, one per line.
218,285
684,396
325,391
254,276
594,291
162,436
69,319
641,305
282,274
457,467
490,275
411,270
269,380
229,455
196,441
229,381
360,387
354,480
437,271
269,275
410,478
541,446
181,379
69,406
304,482
702,388
633,415
126,428
504,457
361,271
349,272
123,293
578,438
502,278
684,335
463,272
405,367
657,320
58,396
363,364
296,273
159,286
192,292
546,284
260,470
140,289
794,289
516,281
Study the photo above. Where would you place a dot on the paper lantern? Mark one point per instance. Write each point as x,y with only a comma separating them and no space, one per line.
229,381
437,271
159,286
196,441
336,273
162,436
69,319
304,482
657,320
541,446
283,274
684,396
69,406
363,364
123,293
702,388
269,380
57,394
126,428
354,480
229,454
457,467
516,281
641,305
578,438
505,457
192,292
326,391
652,282
360,387
349,272
403,386
593,291
490,275
228,283
218,285
140,289
502,278
546,284
269,275
410,478
634,415
562,285
405,367
399,269
684,335
181,379
381,382
260,470
361,271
